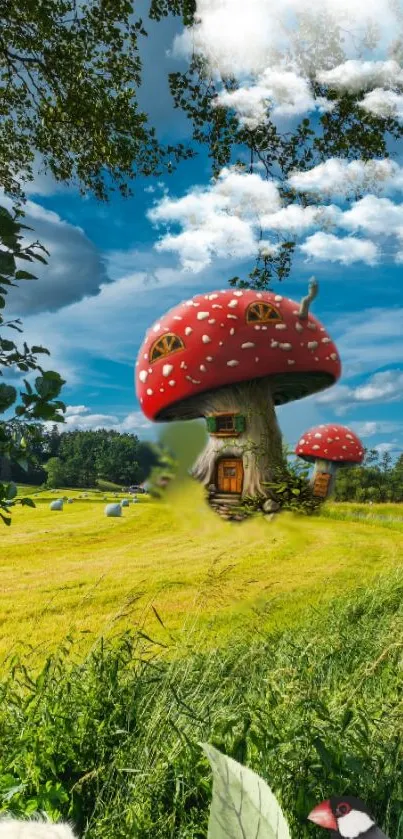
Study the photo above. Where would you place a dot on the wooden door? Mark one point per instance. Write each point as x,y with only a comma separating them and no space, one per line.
321,484
230,475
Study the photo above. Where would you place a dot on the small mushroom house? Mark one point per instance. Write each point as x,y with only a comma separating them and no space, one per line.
329,447
231,356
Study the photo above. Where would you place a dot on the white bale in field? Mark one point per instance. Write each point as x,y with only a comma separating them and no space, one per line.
124,502
70,500
57,505
113,510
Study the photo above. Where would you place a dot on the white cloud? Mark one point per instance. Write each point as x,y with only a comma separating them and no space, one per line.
285,90
370,428
386,386
80,418
383,103
346,250
75,267
356,75
238,43
218,219
339,177
379,216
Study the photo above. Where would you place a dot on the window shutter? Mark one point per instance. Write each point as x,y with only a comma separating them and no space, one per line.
240,423
211,424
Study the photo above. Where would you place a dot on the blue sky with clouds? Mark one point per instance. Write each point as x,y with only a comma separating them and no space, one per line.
106,284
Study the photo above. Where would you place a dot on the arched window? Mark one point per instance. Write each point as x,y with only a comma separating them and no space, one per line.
259,312
165,345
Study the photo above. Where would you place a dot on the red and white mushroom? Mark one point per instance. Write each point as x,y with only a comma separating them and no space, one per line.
235,352
329,447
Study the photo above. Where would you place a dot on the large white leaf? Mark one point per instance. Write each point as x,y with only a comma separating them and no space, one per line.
243,805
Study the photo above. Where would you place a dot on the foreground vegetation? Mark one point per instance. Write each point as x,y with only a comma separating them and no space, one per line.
78,570
113,741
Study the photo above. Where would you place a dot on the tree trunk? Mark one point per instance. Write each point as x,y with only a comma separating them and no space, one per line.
259,446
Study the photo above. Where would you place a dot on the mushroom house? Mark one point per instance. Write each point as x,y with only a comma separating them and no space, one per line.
231,357
329,447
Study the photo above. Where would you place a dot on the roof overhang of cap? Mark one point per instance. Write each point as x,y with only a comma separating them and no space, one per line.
221,347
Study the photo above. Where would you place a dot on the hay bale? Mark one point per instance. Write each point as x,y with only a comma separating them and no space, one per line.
57,505
113,510
124,502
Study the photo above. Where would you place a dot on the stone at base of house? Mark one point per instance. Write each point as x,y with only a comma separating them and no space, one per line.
270,506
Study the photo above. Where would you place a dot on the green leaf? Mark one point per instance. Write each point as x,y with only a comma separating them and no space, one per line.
24,275
11,491
27,502
243,804
8,395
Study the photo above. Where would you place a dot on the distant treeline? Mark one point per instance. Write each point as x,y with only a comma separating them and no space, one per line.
81,458
378,479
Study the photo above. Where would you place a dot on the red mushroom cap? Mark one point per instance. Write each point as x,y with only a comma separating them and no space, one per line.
231,336
330,442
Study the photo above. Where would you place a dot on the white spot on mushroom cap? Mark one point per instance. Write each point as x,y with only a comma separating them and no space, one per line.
177,317
257,358
143,375
257,327
212,320
233,317
247,345
318,434
281,326
333,356
167,369
326,341
194,381
312,345
157,327
212,296
238,293
150,369
264,328
183,366
232,331
285,346
278,297
203,368
216,306
145,355
209,358
149,392
299,327
232,304
290,361
316,447
232,363
206,339
258,294
188,330
172,382
202,315
274,343
312,325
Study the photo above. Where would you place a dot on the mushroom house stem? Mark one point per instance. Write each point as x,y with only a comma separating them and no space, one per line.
245,441
321,485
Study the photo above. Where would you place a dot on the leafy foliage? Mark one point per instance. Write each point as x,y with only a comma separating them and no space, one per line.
68,78
38,402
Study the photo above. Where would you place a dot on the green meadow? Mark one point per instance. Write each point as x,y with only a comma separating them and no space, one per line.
77,571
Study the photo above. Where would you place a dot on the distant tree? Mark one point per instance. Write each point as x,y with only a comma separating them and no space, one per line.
55,472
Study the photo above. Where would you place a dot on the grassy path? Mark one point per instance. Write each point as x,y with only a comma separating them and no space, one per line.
80,571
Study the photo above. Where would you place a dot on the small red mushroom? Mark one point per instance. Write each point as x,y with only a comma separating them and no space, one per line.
329,447
235,354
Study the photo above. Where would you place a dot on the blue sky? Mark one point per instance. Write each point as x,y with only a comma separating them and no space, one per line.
106,284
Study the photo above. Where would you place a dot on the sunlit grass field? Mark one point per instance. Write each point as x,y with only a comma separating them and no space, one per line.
79,571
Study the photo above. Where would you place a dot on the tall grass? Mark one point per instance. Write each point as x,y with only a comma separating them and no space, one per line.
111,741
